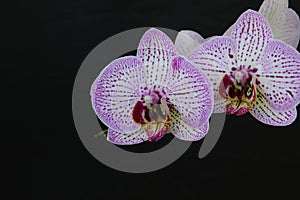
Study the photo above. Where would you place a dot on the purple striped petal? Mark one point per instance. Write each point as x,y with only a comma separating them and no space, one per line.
263,112
252,33
190,92
115,92
122,138
156,50
215,58
183,131
280,75
289,31
187,41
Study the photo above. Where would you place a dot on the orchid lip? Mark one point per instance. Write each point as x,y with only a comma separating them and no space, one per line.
152,113
239,89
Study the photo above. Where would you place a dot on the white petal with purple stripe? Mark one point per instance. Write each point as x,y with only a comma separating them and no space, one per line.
183,131
190,92
263,112
115,92
252,33
121,138
155,51
215,58
280,75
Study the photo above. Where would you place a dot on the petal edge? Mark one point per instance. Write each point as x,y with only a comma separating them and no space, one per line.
115,92
264,113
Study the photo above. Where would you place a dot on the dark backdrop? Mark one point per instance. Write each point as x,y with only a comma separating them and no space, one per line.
250,160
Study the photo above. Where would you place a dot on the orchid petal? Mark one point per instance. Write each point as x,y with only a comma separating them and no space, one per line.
252,33
215,58
274,11
155,50
280,75
220,105
183,131
115,92
263,112
190,92
194,35
121,138
209,38
228,32
284,22
289,31
186,41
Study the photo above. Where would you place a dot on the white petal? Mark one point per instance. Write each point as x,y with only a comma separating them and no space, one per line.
194,35
190,92
183,131
220,105
115,92
263,112
121,138
252,33
280,75
289,31
228,32
186,41
274,11
156,51
215,58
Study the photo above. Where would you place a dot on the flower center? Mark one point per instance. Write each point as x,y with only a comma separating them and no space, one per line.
240,89
152,113
239,76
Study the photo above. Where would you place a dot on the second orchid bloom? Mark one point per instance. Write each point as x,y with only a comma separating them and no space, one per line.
252,72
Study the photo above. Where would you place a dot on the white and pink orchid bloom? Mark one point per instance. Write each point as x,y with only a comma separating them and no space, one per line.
141,98
252,72
284,22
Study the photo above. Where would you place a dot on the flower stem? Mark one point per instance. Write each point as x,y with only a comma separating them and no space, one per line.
104,132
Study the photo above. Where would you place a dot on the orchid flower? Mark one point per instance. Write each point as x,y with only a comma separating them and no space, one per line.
140,98
284,22
252,72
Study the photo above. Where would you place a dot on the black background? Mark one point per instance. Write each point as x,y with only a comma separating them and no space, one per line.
250,160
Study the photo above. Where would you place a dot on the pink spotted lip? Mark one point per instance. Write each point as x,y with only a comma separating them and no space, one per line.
239,88
152,113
